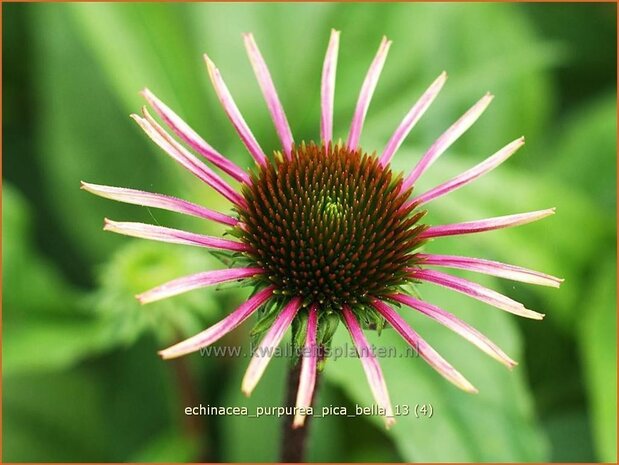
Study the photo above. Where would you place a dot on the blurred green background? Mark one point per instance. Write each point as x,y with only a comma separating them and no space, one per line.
81,378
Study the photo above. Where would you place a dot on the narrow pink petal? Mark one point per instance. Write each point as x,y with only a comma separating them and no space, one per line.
196,281
187,160
185,132
458,326
489,224
470,175
218,330
264,352
307,380
165,202
423,348
411,118
502,270
327,87
270,95
234,114
446,139
175,236
476,291
370,365
365,96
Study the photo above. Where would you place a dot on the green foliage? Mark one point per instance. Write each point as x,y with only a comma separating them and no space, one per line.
80,370
45,329
598,341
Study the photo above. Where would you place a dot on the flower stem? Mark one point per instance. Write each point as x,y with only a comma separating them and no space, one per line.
294,441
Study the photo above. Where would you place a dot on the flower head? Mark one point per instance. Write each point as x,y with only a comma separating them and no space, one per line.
326,231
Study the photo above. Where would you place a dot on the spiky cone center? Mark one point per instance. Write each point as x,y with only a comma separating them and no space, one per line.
329,224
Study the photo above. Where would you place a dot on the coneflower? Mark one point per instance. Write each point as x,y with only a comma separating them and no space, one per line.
325,231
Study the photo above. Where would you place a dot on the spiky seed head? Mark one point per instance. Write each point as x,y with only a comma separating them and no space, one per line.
329,224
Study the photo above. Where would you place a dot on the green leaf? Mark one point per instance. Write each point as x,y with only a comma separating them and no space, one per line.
142,265
125,398
45,328
598,344
585,156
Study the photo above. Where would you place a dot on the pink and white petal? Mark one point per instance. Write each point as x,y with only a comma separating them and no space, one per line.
264,352
470,175
185,159
309,361
488,224
165,202
327,87
423,348
489,267
411,118
477,291
365,96
234,114
185,132
458,326
370,365
270,94
446,139
175,236
196,281
218,330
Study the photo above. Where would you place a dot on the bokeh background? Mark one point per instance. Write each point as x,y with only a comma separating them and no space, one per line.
81,378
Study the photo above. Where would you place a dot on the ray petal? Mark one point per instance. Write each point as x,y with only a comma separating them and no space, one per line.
175,236
370,365
264,352
234,114
458,326
446,139
470,175
270,94
489,267
489,224
307,379
411,118
365,96
165,202
191,137
476,291
327,87
426,351
218,330
186,159
196,281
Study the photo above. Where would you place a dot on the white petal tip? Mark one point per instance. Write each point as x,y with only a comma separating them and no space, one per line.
299,422
389,422
511,364
246,391
533,314
166,354
209,63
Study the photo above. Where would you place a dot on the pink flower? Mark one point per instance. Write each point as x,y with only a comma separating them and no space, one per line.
325,229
